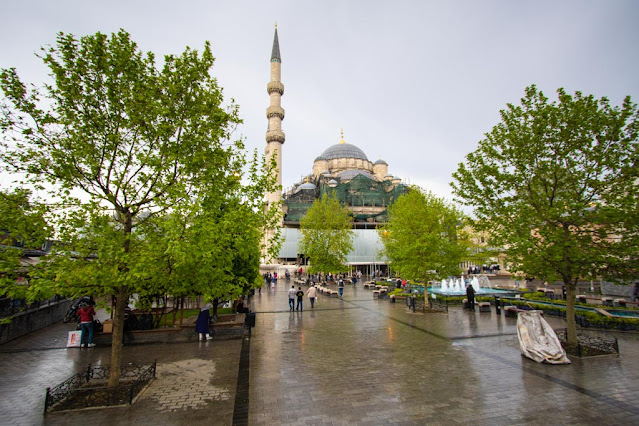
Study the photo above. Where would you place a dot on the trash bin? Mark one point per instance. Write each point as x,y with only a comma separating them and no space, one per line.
497,306
250,319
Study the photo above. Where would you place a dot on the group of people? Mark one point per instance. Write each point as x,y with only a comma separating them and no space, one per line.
270,278
298,295
489,269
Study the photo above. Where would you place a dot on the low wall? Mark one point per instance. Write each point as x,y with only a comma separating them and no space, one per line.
26,322
221,331
612,289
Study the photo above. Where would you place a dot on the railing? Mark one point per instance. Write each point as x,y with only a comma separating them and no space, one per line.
88,388
10,307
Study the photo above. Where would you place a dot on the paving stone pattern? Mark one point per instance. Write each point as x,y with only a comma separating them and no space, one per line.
351,361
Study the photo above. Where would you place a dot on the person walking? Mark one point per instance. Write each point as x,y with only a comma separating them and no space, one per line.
202,323
340,288
300,299
312,294
470,294
86,314
291,297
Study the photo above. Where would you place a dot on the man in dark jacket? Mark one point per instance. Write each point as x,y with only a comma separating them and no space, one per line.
470,295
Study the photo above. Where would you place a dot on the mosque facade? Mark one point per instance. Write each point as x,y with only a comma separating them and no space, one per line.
342,169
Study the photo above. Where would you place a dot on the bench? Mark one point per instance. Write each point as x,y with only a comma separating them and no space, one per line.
607,301
619,303
581,298
484,306
376,294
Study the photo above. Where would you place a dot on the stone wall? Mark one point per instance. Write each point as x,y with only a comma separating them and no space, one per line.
612,289
26,322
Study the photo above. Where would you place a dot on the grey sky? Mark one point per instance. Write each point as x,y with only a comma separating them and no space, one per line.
416,83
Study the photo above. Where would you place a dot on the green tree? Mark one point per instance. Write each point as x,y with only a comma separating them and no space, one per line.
326,235
121,141
423,238
22,227
556,184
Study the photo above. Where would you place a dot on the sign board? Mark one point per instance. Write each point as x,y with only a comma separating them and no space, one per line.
74,339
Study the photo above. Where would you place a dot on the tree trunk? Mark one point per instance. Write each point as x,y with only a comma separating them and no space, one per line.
215,303
426,301
571,325
182,312
118,335
121,303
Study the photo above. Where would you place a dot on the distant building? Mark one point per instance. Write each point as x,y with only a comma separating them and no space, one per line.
343,169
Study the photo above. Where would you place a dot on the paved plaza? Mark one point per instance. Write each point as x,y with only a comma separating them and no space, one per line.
351,361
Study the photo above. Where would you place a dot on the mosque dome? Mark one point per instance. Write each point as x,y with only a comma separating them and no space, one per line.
380,161
305,186
343,150
320,158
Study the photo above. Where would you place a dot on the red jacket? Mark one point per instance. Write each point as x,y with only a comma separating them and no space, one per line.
86,314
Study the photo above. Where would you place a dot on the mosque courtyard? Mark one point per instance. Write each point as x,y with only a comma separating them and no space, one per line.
351,361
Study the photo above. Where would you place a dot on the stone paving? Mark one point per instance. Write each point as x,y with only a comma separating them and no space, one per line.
351,361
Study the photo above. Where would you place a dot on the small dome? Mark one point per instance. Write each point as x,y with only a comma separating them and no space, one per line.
380,161
332,183
343,150
325,172
305,187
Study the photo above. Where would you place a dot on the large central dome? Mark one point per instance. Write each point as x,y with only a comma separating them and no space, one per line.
343,150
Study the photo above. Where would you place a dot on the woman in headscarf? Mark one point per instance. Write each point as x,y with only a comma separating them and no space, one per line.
202,323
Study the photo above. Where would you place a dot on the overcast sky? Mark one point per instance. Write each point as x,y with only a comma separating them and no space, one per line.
416,83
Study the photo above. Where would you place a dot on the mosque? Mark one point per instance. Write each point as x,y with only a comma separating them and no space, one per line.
365,187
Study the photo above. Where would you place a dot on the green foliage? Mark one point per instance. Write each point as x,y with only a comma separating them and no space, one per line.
423,238
399,292
149,184
553,181
586,318
457,300
326,235
22,226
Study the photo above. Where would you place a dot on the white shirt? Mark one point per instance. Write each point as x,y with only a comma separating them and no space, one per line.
291,293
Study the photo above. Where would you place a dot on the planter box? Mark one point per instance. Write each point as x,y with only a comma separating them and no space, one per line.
227,327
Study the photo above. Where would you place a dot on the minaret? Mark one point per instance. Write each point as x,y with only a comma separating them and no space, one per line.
275,114
274,135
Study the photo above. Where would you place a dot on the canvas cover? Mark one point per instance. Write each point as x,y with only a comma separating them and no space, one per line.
537,340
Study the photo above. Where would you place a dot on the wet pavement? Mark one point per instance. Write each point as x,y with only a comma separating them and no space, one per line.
351,361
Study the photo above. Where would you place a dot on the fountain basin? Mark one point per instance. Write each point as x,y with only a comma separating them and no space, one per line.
483,291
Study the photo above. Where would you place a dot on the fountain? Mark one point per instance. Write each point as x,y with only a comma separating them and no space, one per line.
456,287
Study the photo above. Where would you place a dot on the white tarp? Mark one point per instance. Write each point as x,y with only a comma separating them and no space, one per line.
537,340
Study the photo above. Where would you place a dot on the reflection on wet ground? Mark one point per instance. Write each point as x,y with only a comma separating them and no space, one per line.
351,361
